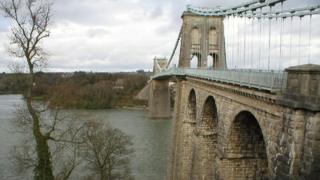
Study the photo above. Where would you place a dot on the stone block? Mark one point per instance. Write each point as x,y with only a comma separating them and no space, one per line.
302,89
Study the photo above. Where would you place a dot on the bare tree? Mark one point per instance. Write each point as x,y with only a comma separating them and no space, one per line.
64,143
103,150
30,20
106,151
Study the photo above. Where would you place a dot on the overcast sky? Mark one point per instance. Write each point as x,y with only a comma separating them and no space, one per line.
117,35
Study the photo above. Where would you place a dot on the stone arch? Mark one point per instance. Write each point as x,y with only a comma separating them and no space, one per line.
245,154
205,153
186,135
195,36
254,113
213,36
209,120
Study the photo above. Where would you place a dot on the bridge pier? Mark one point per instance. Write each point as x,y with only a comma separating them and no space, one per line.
301,97
159,99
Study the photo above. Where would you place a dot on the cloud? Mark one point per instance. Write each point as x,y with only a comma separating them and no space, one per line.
97,32
125,35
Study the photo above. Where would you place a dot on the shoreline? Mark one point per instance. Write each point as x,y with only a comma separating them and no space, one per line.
131,107
115,107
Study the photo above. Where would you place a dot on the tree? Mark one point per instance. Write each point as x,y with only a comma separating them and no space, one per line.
75,142
30,20
106,151
65,142
16,68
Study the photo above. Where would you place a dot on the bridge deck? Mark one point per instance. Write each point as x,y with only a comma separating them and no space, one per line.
270,81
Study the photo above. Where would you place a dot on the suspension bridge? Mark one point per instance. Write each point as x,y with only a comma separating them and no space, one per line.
248,48
247,101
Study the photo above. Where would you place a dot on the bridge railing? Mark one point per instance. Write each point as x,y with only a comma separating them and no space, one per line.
266,80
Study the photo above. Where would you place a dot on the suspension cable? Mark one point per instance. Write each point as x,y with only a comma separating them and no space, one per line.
260,40
175,47
309,48
238,41
291,27
244,40
269,55
251,58
299,41
281,31
233,48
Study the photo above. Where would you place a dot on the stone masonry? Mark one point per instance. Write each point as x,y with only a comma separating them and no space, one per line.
223,131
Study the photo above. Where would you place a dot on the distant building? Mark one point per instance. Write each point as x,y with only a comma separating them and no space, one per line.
66,75
140,71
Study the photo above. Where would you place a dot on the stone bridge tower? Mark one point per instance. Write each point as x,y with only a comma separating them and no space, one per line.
202,40
159,64
159,92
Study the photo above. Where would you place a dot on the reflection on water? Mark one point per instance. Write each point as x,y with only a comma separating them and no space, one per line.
151,138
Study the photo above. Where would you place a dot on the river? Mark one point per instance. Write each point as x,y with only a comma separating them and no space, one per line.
151,138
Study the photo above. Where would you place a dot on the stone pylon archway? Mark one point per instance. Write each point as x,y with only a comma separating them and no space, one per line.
245,156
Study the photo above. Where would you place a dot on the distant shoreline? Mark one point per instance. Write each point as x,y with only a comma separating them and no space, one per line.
115,107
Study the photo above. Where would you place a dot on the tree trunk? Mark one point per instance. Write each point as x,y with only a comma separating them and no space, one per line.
43,169
103,175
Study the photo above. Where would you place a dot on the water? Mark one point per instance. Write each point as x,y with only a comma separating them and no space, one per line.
151,138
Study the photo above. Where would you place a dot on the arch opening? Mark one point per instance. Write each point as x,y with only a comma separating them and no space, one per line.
245,154
205,153
209,120
213,61
210,62
192,106
186,136
195,60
